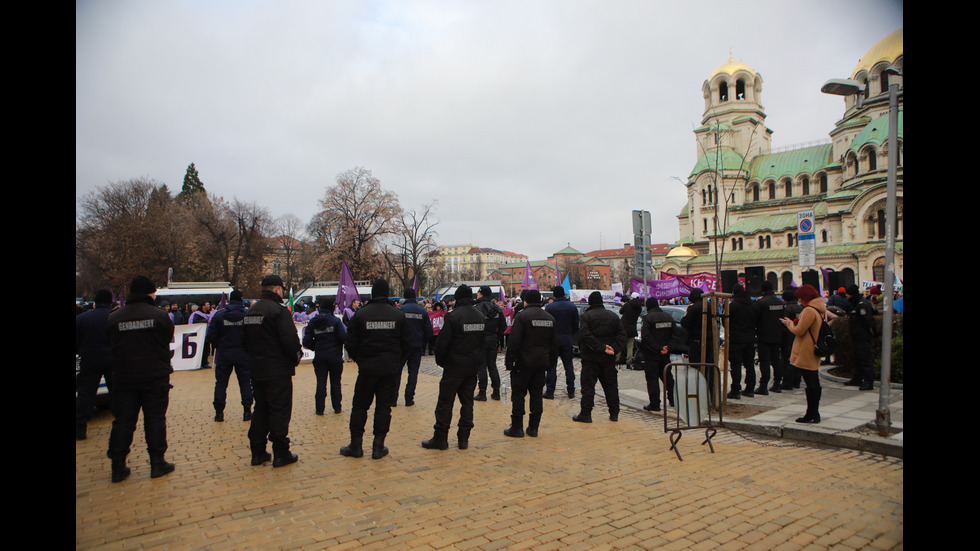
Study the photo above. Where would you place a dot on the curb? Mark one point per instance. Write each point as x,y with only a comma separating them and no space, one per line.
816,435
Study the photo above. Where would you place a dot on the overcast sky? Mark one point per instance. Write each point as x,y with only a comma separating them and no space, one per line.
534,124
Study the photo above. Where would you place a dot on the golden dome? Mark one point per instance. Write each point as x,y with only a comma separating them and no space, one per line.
681,253
887,49
731,68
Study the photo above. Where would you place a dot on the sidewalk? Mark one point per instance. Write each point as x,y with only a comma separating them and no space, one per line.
605,485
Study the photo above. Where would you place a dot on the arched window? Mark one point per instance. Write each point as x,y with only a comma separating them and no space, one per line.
739,89
755,193
704,200
823,235
806,186
823,183
772,190
790,240
789,187
881,225
872,160
723,91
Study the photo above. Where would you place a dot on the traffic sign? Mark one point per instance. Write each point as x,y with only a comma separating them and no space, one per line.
806,240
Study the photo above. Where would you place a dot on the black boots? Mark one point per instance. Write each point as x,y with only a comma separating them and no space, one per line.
812,414
532,424
259,458
353,449
119,470
247,415
481,396
378,449
284,458
219,415
583,417
159,467
437,442
515,430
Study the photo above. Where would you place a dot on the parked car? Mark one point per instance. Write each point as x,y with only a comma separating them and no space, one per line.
102,396
582,307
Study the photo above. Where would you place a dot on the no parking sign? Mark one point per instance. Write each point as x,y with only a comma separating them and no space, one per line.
806,242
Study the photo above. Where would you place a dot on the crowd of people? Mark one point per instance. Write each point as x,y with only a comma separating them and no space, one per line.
129,347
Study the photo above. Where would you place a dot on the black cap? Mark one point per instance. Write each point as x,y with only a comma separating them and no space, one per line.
595,298
142,285
533,296
236,295
558,291
853,290
410,293
380,288
464,291
103,296
272,280
485,290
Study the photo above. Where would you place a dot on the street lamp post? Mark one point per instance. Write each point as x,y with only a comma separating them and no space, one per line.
842,87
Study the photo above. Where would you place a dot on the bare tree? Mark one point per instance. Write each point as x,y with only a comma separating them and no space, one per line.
412,247
357,213
249,245
288,235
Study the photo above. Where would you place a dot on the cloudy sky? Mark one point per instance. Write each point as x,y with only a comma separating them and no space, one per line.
533,123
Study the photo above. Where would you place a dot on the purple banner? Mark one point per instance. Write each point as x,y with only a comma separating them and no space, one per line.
660,289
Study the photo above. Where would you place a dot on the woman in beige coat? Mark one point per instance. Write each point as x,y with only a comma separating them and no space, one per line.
807,329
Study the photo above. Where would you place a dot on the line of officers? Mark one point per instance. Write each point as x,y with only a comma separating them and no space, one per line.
381,338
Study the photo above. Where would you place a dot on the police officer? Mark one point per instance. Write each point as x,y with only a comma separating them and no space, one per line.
601,339
655,337
742,316
532,349
862,328
769,337
421,325
95,359
459,351
630,313
139,335
379,340
225,335
566,323
325,335
495,327
274,350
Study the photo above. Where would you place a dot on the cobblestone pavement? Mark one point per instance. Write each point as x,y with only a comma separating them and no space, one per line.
605,485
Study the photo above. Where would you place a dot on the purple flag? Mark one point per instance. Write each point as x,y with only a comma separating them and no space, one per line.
346,291
529,282
415,285
557,278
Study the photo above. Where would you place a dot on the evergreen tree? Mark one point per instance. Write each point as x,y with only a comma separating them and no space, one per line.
192,184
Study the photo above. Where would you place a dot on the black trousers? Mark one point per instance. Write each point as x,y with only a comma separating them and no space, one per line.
450,388
224,364
273,410
743,356
368,387
653,372
527,382
90,374
413,363
126,401
770,354
327,369
605,373
565,355
863,362
490,368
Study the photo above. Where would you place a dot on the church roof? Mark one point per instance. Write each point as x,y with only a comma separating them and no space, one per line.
888,49
805,160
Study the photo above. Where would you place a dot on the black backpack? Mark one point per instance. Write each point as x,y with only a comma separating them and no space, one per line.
825,344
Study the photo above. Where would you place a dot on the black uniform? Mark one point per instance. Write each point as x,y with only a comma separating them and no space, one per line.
566,321
862,328
225,335
325,335
379,340
495,327
95,360
459,351
656,334
140,335
741,327
598,328
630,313
791,310
769,338
531,350
274,350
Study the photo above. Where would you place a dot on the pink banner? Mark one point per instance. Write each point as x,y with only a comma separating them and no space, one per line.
438,317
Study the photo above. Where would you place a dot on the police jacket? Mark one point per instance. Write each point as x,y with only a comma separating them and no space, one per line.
325,335
225,329
742,316
566,319
768,327
91,340
656,332
271,339
139,335
861,321
495,324
533,342
378,337
418,321
631,312
597,328
459,346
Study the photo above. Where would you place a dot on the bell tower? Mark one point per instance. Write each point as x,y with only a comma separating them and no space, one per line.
733,113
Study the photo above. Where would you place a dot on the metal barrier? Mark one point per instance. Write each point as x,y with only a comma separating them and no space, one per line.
697,386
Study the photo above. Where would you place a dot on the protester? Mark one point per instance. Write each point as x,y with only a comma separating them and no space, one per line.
379,340
459,352
421,327
533,348
203,315
139,335
566,324
601,338
225,336
325,335
95,359
274,351
806,329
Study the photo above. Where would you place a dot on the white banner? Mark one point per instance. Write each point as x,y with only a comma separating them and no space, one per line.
188,345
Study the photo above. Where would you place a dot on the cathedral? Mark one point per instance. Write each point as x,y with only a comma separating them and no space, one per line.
743,198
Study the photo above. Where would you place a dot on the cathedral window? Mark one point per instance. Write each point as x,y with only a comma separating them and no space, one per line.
723,92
